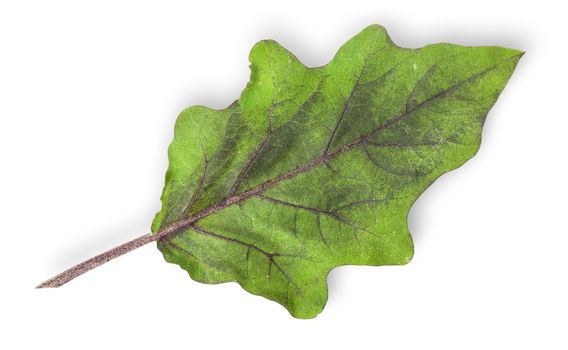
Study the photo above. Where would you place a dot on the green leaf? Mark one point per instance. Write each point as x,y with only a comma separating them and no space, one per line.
314,168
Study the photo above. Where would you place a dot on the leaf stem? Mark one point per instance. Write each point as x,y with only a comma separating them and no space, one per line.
96,261
87,265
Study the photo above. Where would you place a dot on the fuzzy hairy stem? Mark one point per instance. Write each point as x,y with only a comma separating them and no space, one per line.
98,260
115,252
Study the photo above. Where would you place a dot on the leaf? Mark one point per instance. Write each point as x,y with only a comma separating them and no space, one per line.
314,168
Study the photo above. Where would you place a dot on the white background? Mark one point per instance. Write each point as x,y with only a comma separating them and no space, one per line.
88,98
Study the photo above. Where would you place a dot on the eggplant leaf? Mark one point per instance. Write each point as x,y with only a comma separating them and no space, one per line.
314,168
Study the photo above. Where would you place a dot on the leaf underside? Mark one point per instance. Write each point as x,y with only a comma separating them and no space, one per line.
314,168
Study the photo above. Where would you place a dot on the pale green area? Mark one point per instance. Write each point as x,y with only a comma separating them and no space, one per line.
417,113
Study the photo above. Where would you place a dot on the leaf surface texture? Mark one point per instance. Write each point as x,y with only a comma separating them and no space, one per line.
314,168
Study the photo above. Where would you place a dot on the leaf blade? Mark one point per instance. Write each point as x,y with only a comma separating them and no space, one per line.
315,168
